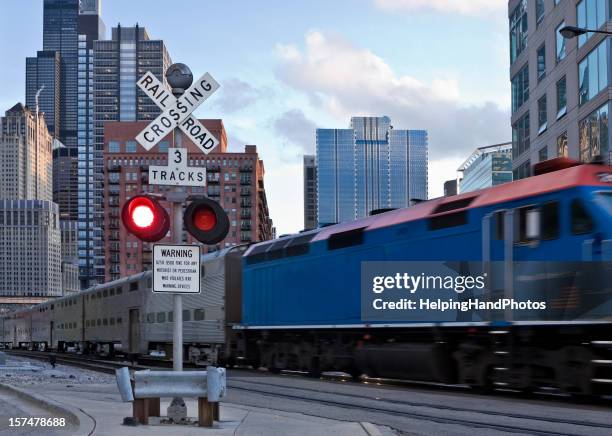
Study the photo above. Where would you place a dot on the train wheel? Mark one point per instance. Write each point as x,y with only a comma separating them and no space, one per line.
486,385
314,369
355,373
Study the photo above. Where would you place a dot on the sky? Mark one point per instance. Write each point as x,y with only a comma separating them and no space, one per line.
286,68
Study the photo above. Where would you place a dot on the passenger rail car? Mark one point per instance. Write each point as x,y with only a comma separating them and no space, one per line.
124,316
301,294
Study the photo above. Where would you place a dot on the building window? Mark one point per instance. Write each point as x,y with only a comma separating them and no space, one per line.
593,134
114,147
561,97
522,171
518,30
539,11
593,73
543,154
520,136
542,116
130,147
541,62
590,14
520,88
560,42
163,146
562,148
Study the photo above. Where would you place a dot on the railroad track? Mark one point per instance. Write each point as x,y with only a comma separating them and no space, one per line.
423,411
99,365
427,411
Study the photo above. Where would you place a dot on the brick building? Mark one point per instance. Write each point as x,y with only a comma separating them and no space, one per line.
235,180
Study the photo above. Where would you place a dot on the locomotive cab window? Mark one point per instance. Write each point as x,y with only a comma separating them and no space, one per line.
581,220
538,222
499,225
549,220
528,224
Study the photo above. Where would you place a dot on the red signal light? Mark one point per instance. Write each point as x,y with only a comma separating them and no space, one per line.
206,220
145,218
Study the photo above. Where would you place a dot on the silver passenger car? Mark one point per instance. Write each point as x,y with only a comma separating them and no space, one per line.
125,316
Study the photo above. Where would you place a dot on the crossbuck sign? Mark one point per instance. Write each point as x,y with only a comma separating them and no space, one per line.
177,111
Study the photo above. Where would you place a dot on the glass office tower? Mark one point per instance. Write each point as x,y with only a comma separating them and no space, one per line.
60,24
43,74
367,167
117,63
91,28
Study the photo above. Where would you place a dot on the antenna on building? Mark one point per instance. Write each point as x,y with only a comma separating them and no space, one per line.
36,99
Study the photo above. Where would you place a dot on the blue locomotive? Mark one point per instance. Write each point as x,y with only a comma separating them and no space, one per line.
297,302
302,306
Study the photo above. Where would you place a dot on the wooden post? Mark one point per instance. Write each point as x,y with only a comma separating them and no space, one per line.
140,410
205,413
216,412
154,406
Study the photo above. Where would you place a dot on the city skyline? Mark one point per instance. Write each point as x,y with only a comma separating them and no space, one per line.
265,99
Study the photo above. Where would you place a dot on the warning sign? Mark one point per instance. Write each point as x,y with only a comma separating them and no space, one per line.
176,268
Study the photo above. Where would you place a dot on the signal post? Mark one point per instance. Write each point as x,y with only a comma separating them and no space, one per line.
176,268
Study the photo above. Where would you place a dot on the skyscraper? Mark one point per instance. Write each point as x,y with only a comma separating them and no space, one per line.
65,69
60,27
25,153
560,87
43,84
117,64
30,253
367,167
310,192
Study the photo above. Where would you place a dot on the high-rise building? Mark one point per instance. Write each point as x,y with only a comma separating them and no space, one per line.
310,192
117,63
30,251
61,78
450,188
60,25
560,87
367,167
70,261
486,166
91,28
43,87
235,180
25,152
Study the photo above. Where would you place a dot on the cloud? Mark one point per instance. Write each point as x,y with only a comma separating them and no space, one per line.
479,8
296,128
236,94
350,80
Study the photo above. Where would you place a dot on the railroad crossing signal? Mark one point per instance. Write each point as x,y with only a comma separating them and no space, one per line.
206,220
145,218
177,111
